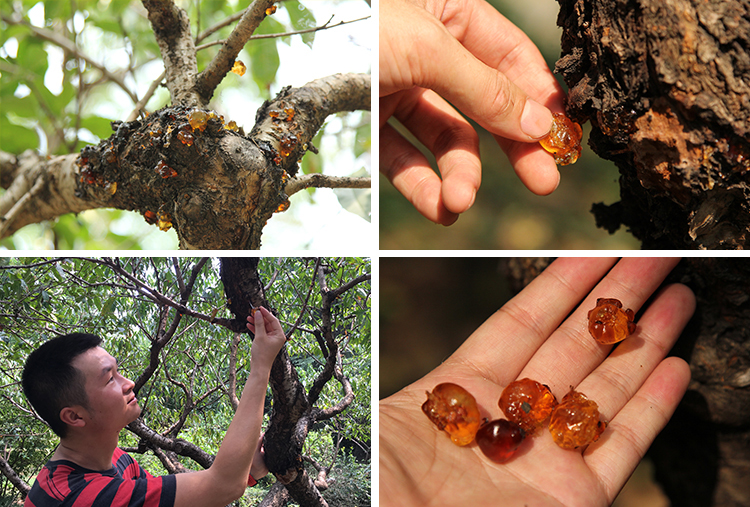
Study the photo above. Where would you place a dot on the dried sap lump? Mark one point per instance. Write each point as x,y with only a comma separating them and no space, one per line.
563,140
452,409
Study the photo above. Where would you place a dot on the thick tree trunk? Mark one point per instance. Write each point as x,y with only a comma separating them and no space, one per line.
702,456
664,84
291,416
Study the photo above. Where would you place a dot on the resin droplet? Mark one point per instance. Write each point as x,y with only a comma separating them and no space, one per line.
287,144
575,421
239,68
499,439
150,217
111,187
185,137
270,10
232,125
164,170
197,120
609,323
289,113
164,221
563,140
452,409
527,403
283,206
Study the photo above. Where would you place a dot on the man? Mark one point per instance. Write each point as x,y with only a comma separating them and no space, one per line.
75,386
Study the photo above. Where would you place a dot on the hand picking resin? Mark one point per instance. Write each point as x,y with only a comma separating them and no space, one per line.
563,140
575,421
609,323
527,403
454,410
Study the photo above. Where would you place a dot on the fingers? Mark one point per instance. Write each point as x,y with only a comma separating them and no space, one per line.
635,427
449,137
501,45
410,172
535,167
446,66
505,343
570,353
638,391
256,320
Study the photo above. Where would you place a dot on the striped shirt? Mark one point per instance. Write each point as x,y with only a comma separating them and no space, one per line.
64,484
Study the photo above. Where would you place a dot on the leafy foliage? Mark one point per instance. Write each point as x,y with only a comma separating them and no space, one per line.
41,298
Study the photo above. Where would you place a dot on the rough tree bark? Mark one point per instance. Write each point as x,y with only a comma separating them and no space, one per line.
664,84
294,411
702,456
215,185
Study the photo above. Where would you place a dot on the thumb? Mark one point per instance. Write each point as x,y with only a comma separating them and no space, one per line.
260,324
481,92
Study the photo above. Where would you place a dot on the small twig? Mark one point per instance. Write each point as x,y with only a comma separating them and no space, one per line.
324,26
144,100
209,79
325,181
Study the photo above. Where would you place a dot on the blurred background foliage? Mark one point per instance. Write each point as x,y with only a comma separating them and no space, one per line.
41,298
55,101
505,214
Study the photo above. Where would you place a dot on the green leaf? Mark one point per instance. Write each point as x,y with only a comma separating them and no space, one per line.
355,200
363,139
264,56
98,126
15,139
302,19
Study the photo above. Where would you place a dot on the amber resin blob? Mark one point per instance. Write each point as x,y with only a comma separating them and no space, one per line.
454,410
575,421
609,323
527,403
563,140
499,439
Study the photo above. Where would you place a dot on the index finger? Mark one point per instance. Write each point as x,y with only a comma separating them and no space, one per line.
500,44
505,342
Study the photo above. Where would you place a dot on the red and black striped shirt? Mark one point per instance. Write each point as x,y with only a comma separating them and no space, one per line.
64,484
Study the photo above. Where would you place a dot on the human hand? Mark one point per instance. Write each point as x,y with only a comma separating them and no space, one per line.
465,52
269,337
637,391
259,469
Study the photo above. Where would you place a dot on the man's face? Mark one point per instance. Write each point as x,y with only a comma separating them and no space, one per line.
112,403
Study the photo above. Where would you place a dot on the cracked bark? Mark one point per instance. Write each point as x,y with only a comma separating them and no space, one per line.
664,85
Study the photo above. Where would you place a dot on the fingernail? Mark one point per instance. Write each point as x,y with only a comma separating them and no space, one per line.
536,120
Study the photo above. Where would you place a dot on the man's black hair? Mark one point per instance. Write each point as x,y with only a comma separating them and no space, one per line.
51,383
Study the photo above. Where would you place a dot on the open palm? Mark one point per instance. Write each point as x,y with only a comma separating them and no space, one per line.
542,334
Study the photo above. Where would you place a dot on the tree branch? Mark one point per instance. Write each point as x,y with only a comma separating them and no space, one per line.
209,79
53,183
13,477
318,180
286,125
171,27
